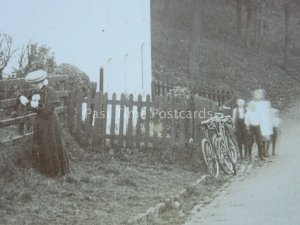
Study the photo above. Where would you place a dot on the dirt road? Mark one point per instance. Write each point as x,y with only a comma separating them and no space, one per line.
269,194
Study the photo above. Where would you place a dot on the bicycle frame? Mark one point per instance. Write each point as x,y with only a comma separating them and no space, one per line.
206,128
221,132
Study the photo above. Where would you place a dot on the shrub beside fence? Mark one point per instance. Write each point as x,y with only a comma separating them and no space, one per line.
220,96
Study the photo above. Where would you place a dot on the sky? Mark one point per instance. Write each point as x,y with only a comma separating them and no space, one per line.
115,34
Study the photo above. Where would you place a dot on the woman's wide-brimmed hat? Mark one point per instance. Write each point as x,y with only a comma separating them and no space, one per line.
36,76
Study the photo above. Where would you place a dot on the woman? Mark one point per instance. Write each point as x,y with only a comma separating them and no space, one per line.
49,153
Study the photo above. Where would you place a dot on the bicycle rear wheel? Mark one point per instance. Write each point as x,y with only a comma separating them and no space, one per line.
210,158
226,158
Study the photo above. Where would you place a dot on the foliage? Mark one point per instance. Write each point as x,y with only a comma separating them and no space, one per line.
34,56
179,92
179,98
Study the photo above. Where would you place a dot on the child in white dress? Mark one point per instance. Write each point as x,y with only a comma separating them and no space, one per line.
263,109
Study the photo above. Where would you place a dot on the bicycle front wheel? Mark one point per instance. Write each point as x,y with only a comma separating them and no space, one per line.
210,158
232,149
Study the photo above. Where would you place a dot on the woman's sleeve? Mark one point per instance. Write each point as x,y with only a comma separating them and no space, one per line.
46,108
234,112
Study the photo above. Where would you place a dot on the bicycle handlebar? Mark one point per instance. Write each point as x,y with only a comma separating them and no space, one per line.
205,122
219,117
226,107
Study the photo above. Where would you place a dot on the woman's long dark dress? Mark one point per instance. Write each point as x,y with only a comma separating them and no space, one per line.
49,152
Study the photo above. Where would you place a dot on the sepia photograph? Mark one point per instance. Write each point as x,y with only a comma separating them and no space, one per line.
149,112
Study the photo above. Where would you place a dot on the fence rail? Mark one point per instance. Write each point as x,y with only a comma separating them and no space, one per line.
11,89
116,121
132,121
16,121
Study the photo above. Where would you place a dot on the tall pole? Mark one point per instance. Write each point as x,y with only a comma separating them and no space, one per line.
108,74
142,64
101,79
286,33
125,73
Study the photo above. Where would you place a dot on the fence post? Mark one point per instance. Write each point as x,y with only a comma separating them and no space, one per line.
164,128
217,98
93,95
103,120
155,124
97,112
98,135
61,85
79,99
87,124
153,88
192,109
163,89
182,131
138,132
147,122
173,129
130,108
101,79
113,120
158,85
122,113
71,109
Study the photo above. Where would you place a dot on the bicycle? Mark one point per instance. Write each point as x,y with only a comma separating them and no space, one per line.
209,151
226,133
218,150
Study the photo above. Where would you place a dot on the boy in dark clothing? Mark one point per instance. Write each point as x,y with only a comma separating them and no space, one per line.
240,127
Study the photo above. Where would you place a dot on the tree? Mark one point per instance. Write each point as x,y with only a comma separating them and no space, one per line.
194,45
239,16
286,32
249,10
34,57
6,52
